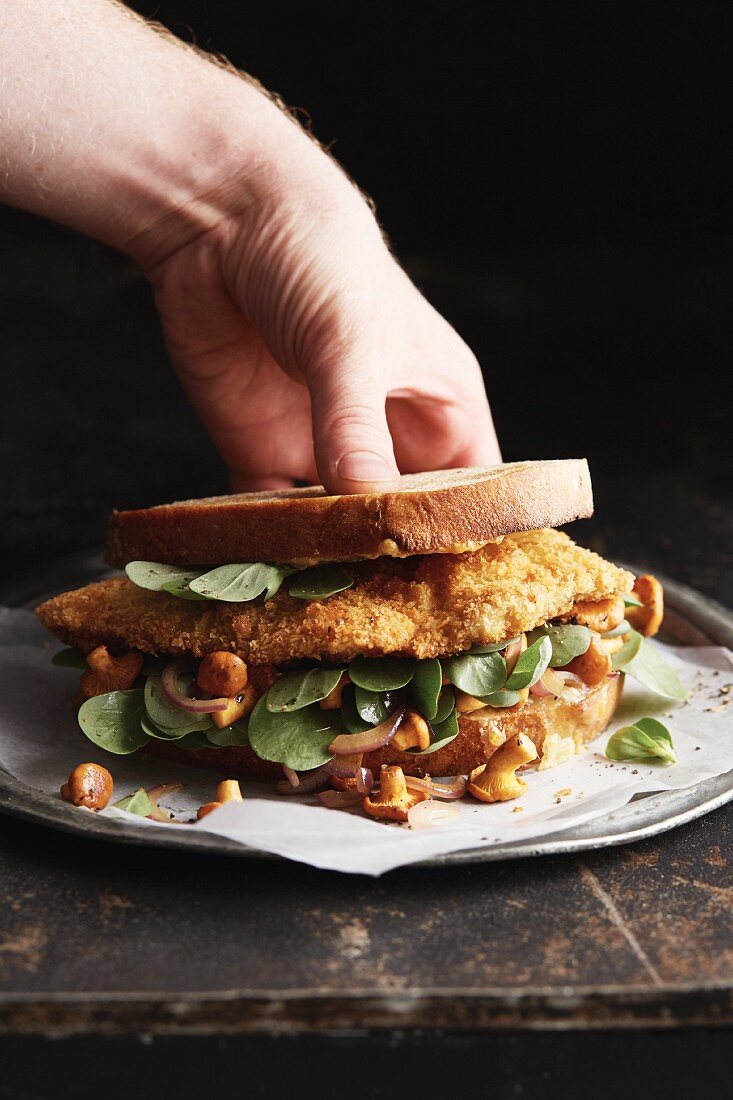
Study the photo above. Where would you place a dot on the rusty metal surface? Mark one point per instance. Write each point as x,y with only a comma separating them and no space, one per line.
105,939
97,938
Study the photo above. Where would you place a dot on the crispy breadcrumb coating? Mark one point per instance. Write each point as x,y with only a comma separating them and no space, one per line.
423,606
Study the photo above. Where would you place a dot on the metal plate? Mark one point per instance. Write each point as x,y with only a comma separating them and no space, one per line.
690,619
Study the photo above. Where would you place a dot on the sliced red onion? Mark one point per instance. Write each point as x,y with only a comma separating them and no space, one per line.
364,780
429,813
292,777
169,683
563,685
455,789
339,800
574,688
345,767
307,782
370,740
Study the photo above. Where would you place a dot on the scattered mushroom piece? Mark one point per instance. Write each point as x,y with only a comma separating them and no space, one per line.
593,665
227,791
222,673
108,673
335,696
602,615
414,733
467,704
496,781
393,800
241,706
89,785
647,619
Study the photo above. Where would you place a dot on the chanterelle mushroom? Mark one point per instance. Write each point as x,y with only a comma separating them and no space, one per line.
647,619
393,799
108,673
496,781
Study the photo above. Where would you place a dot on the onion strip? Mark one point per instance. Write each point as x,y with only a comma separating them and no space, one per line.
169,684
455,789
370,740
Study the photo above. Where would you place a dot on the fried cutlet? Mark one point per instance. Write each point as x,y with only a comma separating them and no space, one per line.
424,606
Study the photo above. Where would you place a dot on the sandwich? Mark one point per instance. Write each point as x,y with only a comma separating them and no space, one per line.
327,641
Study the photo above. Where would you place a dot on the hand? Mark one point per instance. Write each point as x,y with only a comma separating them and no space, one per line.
292,325
304,347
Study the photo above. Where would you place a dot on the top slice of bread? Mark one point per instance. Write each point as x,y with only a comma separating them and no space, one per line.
443,511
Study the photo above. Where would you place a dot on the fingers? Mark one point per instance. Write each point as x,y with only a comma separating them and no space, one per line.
353,446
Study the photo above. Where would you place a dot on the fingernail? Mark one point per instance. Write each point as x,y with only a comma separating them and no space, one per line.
366,466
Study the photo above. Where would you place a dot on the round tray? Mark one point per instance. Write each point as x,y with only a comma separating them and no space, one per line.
691,619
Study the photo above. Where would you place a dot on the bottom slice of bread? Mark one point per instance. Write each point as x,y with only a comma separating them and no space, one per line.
558,729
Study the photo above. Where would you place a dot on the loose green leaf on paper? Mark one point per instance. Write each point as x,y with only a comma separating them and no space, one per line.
647,739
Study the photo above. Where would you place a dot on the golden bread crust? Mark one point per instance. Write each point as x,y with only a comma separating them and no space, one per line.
427,606
478,739
440,511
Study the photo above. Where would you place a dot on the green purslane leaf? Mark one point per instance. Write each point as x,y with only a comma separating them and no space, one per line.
630,600
112,721
628,650
241,583
182,589
531,665
319,582
568,641
492,647
155,576
295,690
373,707
476,674
138,803
69,658
446,704
442,734
237,734
349,714
618,631
159,733
173,721
501,698
297,738
192,742
647,739
425,686
644,663
382,673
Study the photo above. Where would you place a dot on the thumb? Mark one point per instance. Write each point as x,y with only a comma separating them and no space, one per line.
353,447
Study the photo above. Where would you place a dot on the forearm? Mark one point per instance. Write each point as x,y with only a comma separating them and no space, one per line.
124,133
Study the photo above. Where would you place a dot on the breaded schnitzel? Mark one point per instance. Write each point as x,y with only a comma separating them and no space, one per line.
361,641
425,606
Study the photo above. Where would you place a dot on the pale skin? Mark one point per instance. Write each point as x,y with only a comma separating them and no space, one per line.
303,346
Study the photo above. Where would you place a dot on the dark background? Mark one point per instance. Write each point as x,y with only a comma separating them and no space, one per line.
557,180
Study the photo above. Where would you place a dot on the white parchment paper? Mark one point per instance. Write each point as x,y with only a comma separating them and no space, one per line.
40,743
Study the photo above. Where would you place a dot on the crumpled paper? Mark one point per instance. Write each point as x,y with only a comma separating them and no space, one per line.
40,743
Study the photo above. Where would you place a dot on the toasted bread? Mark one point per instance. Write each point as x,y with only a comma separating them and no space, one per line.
557,729
447,511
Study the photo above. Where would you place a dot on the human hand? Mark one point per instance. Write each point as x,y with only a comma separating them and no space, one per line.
304,347
307,351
